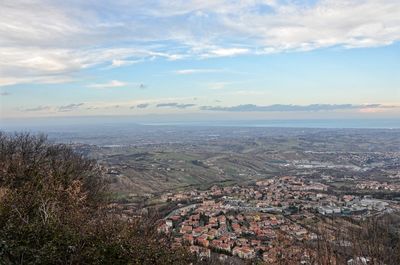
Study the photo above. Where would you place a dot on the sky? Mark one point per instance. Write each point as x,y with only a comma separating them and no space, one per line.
249,59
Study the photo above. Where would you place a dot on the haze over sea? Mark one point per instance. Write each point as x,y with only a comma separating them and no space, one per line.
71,123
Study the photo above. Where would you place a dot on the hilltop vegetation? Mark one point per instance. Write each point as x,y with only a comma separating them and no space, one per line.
53,211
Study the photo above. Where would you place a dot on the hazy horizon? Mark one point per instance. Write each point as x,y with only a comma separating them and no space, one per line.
78,123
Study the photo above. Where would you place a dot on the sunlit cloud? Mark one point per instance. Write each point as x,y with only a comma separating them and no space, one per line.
111,84
82,34
44,79
121,63
197,71
224,52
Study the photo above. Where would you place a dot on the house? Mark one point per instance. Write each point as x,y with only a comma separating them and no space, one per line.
199,231
185,229
203,240
221,246
212,233
244,252
188,238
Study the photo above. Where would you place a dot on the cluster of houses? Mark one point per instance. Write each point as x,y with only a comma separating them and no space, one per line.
220,226
246,221
211,226
376,185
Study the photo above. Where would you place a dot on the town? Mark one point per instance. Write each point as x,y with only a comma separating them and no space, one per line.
252,222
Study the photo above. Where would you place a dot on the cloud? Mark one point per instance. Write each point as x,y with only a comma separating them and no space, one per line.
129,103
45,79
120,63
62,108
69,107
197,71
83,34
175,105
57,65
111,84
184,106
38,108
225,52
162,105
293,108
142,106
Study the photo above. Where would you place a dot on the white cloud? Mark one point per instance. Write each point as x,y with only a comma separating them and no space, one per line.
42,38
120,63
8,81
222,52
197,71
111,84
